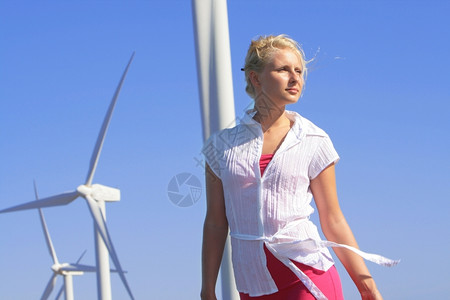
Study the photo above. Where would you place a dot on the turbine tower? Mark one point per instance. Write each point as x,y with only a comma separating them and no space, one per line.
95,195
216,92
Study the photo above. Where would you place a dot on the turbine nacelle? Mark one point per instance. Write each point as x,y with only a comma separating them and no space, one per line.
65,269
99,192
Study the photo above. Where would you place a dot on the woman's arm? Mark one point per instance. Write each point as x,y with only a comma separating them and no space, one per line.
215,231
336,229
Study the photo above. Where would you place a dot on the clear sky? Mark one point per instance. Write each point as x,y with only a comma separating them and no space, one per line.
378,85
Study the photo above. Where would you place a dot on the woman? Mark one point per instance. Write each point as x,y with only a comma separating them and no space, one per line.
261,177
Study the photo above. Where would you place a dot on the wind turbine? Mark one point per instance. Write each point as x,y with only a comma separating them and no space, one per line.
67,270
216,92
95,195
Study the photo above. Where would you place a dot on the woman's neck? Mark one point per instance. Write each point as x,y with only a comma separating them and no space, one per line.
271,117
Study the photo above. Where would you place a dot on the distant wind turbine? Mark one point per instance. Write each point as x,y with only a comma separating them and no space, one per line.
67,270
95,195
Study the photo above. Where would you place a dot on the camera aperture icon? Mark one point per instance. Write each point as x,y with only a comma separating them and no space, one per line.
184,189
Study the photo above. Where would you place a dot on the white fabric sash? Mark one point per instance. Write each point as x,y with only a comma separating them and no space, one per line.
280,244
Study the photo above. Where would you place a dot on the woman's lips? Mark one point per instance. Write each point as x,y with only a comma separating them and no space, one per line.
292,90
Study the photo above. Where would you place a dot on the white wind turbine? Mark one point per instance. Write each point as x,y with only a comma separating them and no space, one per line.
67,270
95,195
216,91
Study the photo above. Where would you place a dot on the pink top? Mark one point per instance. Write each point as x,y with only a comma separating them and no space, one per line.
264,161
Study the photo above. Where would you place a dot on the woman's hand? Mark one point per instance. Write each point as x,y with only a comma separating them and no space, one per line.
371,295
207,296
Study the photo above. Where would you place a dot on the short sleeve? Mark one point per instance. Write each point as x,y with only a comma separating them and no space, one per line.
324,156
211,153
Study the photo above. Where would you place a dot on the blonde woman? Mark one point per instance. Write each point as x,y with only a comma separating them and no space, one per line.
261,177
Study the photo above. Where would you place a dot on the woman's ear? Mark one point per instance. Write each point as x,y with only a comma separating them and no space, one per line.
254,78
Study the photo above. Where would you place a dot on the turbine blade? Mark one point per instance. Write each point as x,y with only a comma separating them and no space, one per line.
61,199
100,224
60,292
49,288
101,136
50,247
81,256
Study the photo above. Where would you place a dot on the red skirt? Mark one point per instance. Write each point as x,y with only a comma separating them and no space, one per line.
291,288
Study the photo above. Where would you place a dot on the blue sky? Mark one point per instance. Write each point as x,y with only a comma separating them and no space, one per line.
378,85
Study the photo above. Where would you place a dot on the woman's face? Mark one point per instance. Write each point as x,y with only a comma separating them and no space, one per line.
281,80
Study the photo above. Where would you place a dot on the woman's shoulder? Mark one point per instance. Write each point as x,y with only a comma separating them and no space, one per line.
307,126
220,139
233,136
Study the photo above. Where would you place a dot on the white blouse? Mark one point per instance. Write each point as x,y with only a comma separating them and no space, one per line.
273,209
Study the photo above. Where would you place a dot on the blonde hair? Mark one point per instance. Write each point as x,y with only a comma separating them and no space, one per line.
260,53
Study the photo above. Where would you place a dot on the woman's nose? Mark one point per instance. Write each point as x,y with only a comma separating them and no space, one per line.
295,77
